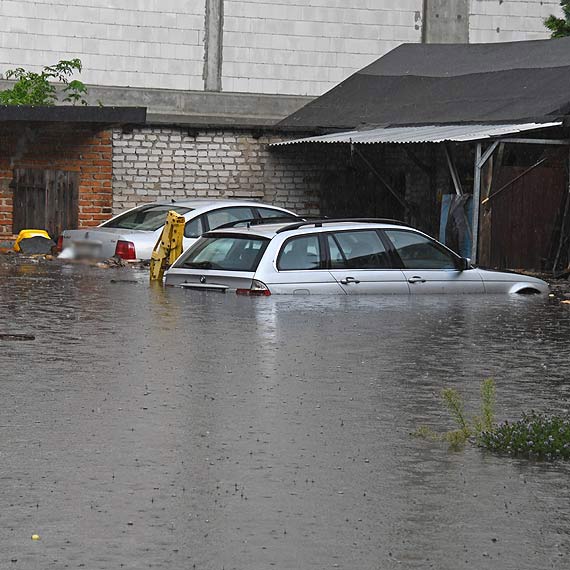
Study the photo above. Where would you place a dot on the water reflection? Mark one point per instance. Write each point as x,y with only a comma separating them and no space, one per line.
170,428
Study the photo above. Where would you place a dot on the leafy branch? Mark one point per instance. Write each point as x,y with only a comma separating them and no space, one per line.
31,88
560,27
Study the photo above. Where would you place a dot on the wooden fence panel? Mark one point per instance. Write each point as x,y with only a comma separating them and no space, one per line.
45,199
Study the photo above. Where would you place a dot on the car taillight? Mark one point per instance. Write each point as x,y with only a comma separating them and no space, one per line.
59,246
125,250
257,289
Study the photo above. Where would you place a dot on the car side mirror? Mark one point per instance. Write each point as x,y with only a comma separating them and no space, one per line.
464,264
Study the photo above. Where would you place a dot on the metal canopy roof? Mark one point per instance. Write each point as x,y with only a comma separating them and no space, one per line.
424,134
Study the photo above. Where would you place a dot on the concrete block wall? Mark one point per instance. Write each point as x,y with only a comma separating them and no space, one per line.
510,20
153,163
148,43
305,47
297,47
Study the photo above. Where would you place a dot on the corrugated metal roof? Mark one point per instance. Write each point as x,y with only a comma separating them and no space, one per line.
424,134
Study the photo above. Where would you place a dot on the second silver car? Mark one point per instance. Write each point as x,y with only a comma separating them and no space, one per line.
134,233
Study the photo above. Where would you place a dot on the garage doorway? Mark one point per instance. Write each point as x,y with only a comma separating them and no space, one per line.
45,200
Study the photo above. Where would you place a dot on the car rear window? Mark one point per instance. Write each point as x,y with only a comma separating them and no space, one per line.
226,253
269,213
148,218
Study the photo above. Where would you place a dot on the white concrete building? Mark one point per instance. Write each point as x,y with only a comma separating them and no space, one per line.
290,49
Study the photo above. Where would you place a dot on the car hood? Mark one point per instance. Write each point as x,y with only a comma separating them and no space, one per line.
516,282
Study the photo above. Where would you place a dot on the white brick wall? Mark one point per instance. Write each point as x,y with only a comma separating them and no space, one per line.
305,47
158,43
510,20
168,163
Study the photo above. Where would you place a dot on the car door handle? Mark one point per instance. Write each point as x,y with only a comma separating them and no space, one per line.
348,280
416,279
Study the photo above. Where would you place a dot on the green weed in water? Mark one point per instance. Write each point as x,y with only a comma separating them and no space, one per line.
454,404
536,436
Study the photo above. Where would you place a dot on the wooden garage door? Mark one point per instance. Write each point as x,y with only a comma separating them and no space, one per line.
45,200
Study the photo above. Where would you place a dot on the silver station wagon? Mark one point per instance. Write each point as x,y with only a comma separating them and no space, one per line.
133,234
338,257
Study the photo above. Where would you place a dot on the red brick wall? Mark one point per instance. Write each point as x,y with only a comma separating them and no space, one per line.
57,146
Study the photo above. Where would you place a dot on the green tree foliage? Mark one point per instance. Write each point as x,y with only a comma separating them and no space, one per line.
560,27
35,89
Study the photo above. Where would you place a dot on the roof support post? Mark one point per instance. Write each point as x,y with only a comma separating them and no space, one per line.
453,171
476,203
488,154
563,224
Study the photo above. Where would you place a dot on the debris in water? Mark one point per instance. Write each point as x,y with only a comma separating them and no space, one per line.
36,245
16,336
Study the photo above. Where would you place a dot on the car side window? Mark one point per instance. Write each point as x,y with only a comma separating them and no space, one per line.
300,253
270,213
361,249
194,228
218,218
420,252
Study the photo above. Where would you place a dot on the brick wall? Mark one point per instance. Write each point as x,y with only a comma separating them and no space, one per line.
173,163
75,148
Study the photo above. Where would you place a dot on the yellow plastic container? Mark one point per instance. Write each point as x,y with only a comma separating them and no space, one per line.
25,234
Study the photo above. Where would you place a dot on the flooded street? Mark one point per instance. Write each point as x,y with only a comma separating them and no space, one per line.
151,428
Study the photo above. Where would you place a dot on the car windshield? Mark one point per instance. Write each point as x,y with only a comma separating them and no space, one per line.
147,218
227,253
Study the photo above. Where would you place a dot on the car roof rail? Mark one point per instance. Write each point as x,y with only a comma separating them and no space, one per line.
319,223
257,222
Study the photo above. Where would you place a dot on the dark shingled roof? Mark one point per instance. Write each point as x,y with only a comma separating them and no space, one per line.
448,83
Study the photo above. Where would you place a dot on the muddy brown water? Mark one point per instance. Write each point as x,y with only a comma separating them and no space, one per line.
151,428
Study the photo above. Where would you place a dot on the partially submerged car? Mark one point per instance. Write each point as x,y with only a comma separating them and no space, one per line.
342,257
134,233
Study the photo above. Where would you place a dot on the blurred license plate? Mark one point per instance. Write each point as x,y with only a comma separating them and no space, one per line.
86,249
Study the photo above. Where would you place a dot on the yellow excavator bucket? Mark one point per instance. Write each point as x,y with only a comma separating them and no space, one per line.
168,247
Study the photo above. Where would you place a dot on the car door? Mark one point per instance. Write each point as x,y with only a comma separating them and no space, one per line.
429,267
361,263
301,268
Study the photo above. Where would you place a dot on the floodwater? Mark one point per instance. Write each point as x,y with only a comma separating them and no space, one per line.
151,428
